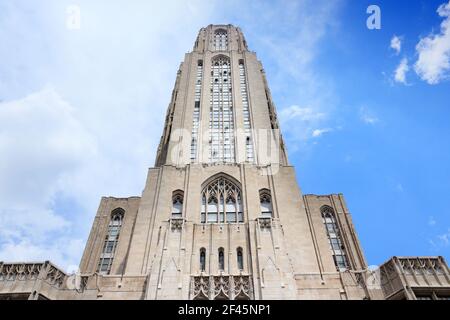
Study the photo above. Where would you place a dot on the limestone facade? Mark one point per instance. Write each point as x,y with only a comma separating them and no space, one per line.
221,215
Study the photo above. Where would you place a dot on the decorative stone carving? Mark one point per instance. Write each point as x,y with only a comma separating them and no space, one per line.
420,266
242,288
20,271
265,222
176,224
31,271
222,287
54,276
200,287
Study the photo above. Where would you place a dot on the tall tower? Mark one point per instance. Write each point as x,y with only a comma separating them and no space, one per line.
221,215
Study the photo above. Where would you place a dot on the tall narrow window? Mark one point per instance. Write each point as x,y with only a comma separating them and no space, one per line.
334,238
246,113
196,114
177,204
221,202
240,259
221,260
111,241
220,40
221,119
202,259
266,203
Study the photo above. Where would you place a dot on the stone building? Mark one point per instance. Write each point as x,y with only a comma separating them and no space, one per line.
221,215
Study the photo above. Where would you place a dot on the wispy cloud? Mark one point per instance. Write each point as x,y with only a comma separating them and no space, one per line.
431,221
445,238
399,187
441,241
46,146
319,132
288,39
396,44
300,123
401,71
298,113
367,116
433,63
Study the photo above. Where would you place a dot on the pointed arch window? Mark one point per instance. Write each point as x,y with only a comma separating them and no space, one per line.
221,256
221,202
240,258
265,203
334,238
177,204
111,241
202,259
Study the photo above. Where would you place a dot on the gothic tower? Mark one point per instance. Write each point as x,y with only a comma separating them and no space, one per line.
221,215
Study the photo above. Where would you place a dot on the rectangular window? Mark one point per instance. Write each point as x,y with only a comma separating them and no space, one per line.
196,114
340,261
220,117
231,217
212,216
104,265
246,112
109,246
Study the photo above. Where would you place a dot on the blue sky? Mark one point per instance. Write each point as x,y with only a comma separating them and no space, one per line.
364,112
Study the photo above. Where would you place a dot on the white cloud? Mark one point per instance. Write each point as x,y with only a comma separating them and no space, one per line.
444,238
318,132
45,143
297,113
433,63
300,122
396,44
367,116
400,72
440,241
61,252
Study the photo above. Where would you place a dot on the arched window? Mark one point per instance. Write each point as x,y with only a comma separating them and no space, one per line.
240,259
177,204
220,39
111,241
202,259
221,119
221,259
221,202
266,203
334,237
